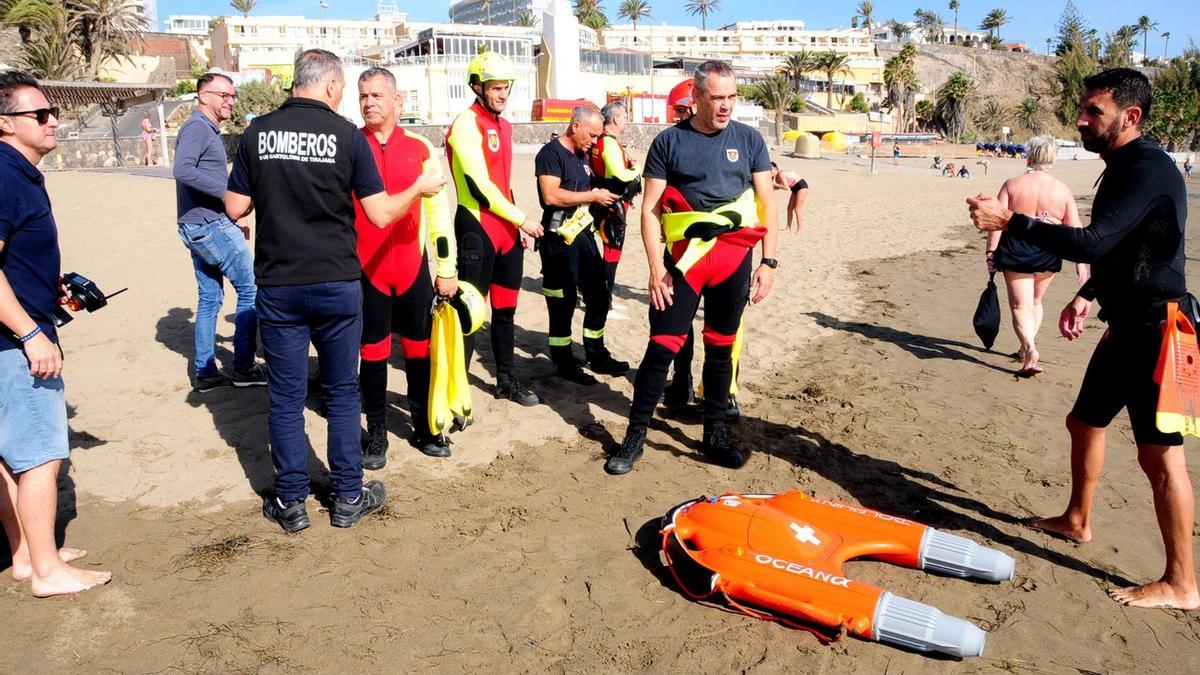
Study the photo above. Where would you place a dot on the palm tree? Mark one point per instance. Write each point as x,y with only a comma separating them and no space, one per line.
931,24
991,118
487,10
953,98
585,8
1030,115
104,30
896,28
634,10
702,7
866,9
1127,35
831,63
775,93
1145,25
1166,40
526,18
954,6
796,64
900,78
993,21
243,6
49,52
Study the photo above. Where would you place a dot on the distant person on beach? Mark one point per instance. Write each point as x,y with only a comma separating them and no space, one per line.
895,154
1028,270
1135,243
396,285
786,179
148,135
310,278
217,245
1189,164
33,409
697,171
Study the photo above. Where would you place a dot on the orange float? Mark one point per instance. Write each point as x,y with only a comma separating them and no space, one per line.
780,557
1178,376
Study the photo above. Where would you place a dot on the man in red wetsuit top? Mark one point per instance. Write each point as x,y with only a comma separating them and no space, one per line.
708,194
491,231
397,291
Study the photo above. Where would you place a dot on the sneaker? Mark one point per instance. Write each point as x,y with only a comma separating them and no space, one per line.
719,447
733,414
510,388
346,512
621,461
375,446
203,385
572,372
604,364
291,515
254,376
433,446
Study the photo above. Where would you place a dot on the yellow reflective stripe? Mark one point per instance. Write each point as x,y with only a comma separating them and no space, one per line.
614,162
696,249
466,144
560,341
436,222
552,292
593,334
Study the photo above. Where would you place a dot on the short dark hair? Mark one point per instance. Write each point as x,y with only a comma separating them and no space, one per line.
313,66
1129,88
208,77
708,69
374,72
11,82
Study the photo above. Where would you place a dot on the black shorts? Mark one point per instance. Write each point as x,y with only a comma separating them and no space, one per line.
1121,375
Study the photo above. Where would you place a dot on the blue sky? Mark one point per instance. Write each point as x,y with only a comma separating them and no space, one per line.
1032,20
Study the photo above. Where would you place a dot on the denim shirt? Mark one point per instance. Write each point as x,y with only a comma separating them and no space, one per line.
200,175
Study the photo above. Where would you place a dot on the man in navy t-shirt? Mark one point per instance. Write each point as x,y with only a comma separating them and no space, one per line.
707,180
302,166
571,262
33,411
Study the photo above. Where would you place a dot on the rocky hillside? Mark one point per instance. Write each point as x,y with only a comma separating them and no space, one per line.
1007,76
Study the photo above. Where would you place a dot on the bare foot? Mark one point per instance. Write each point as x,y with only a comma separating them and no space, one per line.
67,580
1062,527
23,571
1157,594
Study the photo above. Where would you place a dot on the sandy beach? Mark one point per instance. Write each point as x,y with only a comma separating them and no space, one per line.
862,380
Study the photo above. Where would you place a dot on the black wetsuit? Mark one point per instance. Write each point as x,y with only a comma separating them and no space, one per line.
1135,247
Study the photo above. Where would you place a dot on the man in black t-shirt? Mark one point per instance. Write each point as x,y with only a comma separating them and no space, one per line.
571,262
301,166
708,194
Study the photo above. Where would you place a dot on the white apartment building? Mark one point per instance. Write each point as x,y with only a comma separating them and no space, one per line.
272,42
148,11
963,37
494,12
188,24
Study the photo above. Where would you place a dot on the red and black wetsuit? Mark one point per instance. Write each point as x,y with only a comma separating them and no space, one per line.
614,171
486,222
709,173
397,289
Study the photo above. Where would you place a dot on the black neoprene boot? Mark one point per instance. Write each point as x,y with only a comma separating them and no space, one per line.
375,446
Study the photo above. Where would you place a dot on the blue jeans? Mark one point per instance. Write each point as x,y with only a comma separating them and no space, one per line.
219,251
330,316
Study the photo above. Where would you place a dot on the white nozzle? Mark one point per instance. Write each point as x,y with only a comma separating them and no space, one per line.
918,626
960,557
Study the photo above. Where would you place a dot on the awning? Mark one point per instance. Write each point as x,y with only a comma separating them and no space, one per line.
74,94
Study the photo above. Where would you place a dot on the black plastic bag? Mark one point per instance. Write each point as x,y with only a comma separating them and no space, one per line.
987,314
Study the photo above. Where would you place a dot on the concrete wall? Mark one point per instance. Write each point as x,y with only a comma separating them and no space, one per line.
90,154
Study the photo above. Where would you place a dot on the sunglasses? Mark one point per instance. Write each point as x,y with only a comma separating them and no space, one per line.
42,115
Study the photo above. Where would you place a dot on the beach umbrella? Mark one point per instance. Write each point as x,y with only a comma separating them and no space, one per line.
987,314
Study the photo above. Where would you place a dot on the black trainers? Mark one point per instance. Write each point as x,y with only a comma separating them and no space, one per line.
572,372
346,512
603,363
733,414
621,461
510,388
254,376
203,385
375,446
719,447
434,446
291,515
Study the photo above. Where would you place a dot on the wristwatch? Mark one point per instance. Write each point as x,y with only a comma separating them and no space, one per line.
770,262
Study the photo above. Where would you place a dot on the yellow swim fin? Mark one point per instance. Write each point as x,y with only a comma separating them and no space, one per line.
439,412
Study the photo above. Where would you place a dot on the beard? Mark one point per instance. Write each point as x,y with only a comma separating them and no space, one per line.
1099,142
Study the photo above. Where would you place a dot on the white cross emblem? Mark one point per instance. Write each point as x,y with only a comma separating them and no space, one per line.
730,501
804,535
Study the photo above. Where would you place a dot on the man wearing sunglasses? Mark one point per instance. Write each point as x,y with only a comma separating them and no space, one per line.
218,247
33,410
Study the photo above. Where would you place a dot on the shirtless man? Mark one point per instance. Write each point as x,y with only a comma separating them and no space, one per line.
1028,270
1135,244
